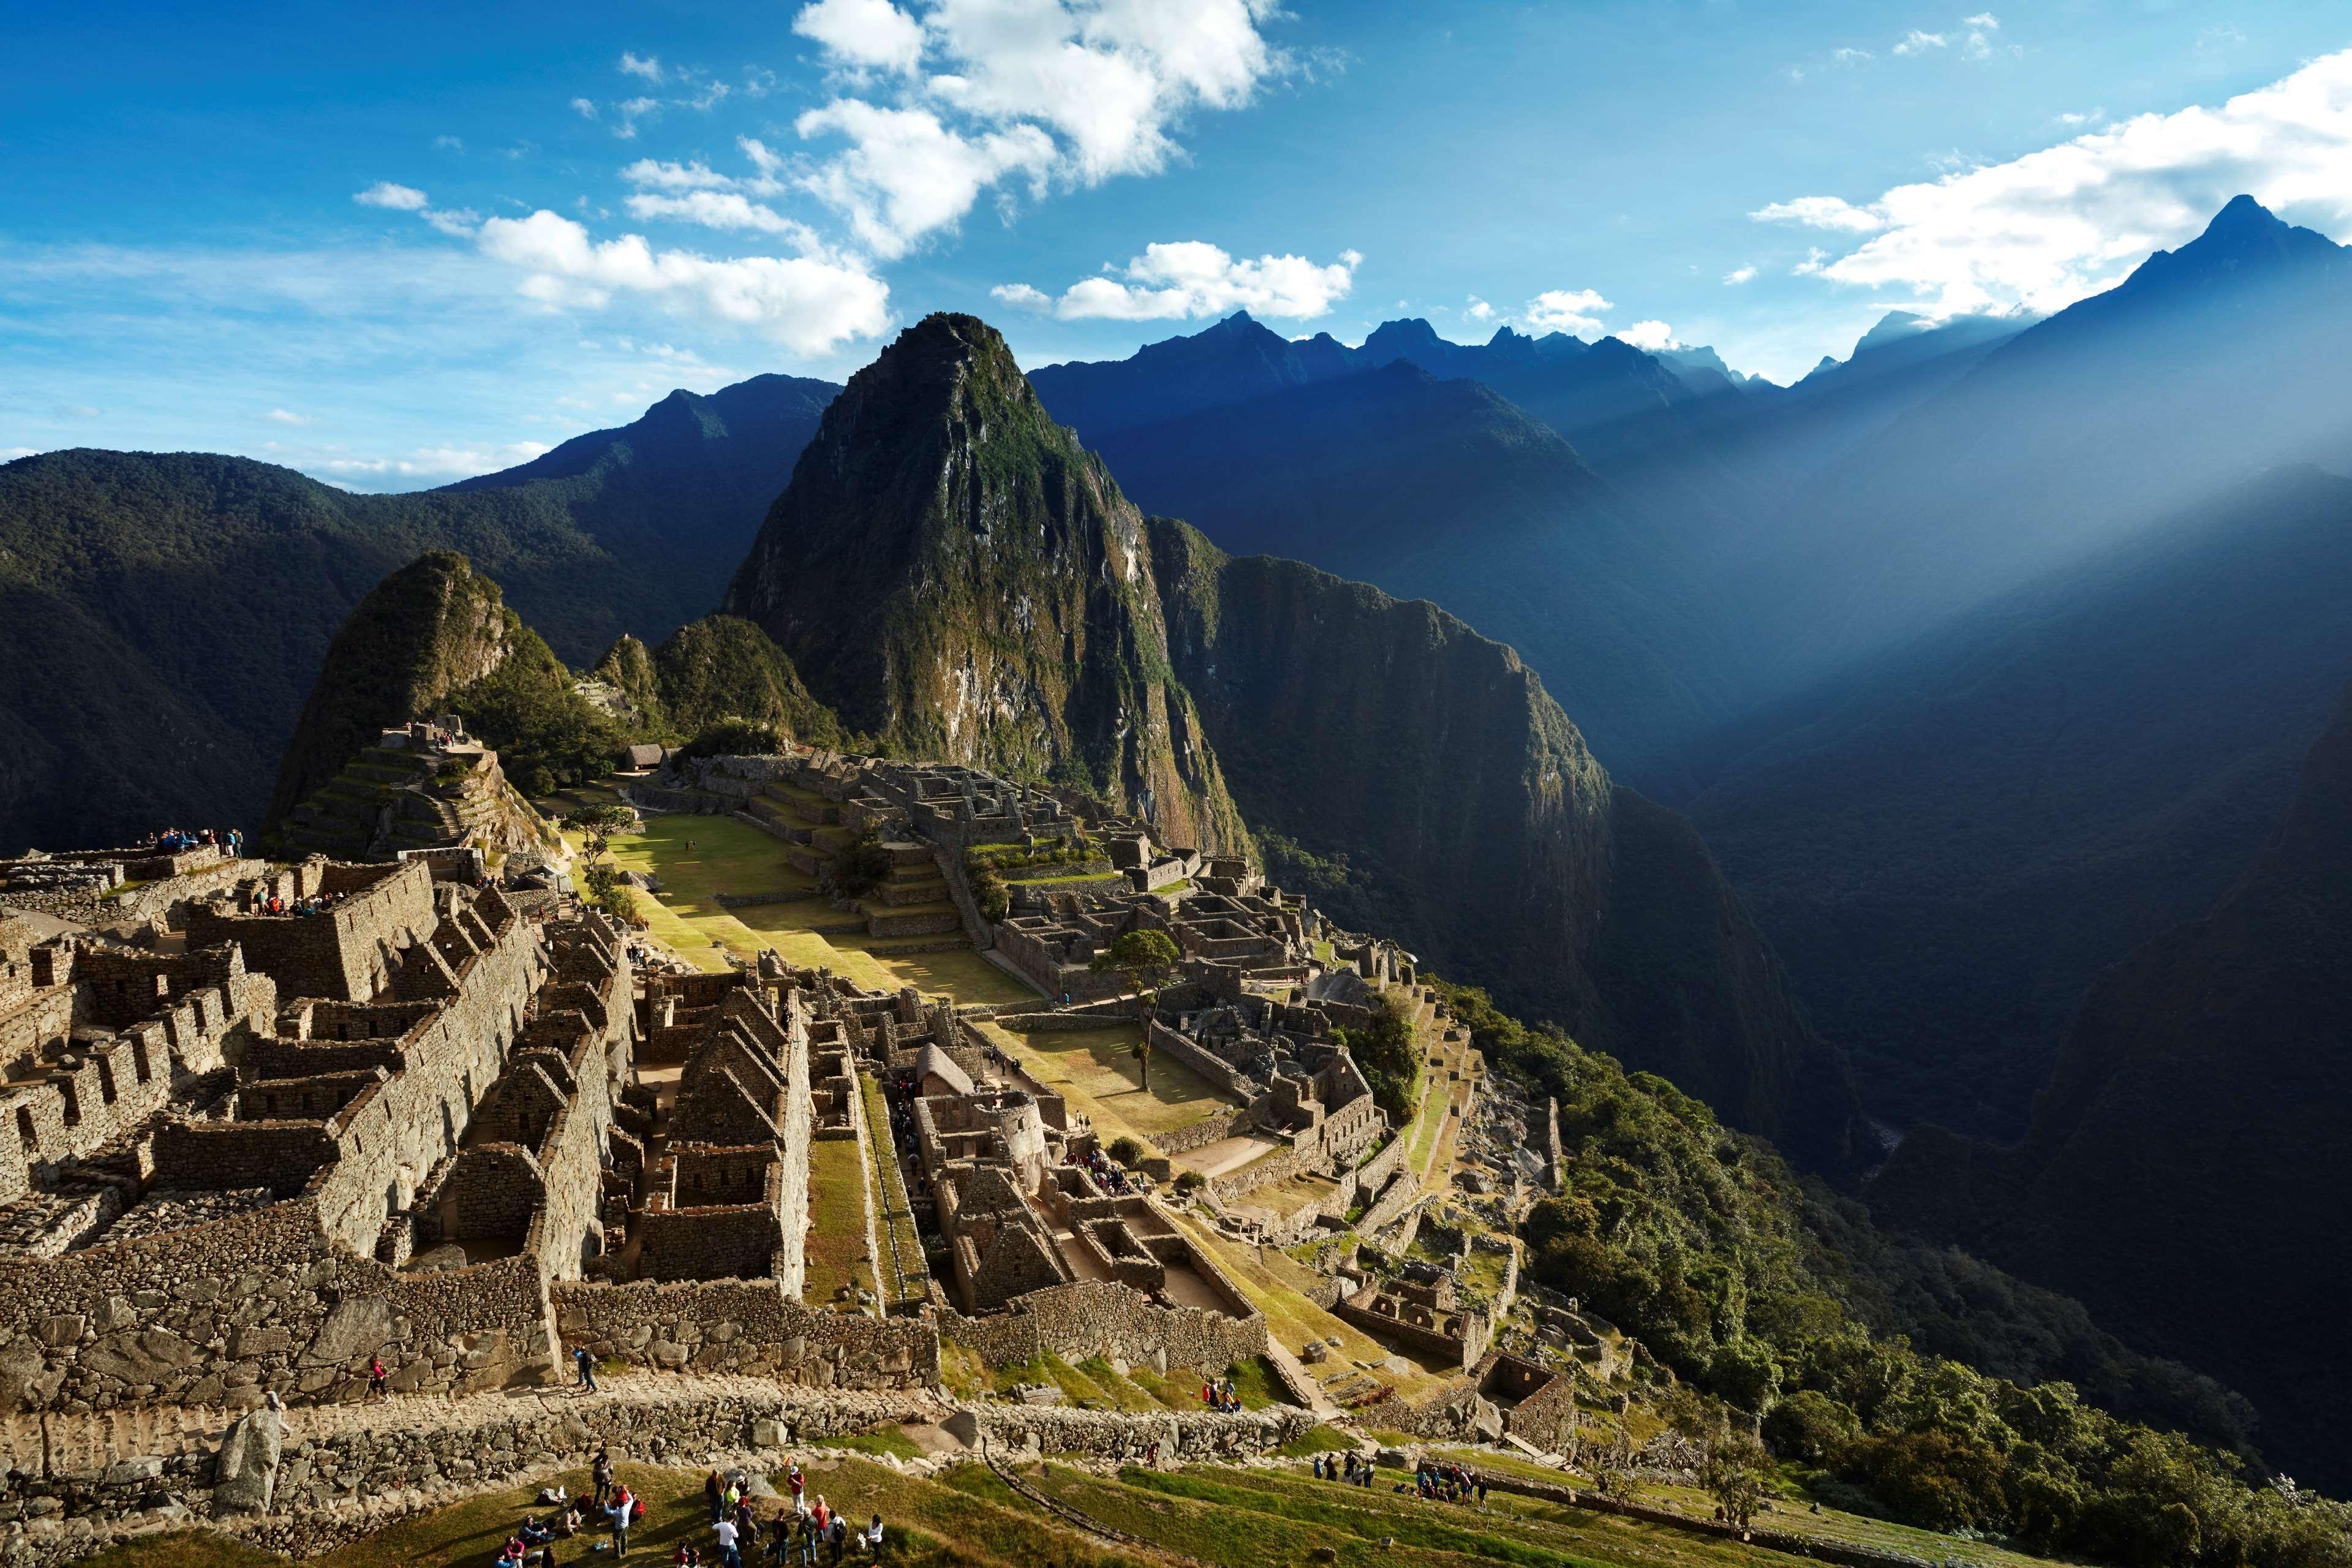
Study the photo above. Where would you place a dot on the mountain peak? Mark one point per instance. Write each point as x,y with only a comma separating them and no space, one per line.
2242,215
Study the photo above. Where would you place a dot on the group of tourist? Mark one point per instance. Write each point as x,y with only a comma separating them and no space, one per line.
316,903
230,841
1356,1473
1104,1169
534,1544
1218,1394
1446,1481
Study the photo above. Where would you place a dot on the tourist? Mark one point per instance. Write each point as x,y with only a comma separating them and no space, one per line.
714,1495
779,1536
810,1535
837,1535
874,1540
378,1382
685,1556
745,1526
567,1523
535,1534
603,1474
586,1366
794,1479
728,1556
618,1513
822,1514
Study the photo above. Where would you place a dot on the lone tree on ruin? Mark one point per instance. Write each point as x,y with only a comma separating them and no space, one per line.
1147,957
1734,1475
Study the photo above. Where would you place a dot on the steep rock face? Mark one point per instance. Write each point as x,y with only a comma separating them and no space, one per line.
1464,814
2186,1168
954,574
428,630
1442,491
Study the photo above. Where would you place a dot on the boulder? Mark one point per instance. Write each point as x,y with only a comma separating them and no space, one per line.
144,1355
244,1470
360,1325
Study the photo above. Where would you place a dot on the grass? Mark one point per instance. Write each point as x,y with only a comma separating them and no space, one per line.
1276,1286
883,1440
836,1232
1272,1518
731,857
1097,1072
1316,1440
907,1274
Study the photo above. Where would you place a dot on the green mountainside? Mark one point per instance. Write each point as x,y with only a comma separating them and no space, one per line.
2185,1168
436,638
953,572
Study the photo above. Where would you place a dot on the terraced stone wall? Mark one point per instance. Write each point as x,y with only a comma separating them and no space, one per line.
745,1326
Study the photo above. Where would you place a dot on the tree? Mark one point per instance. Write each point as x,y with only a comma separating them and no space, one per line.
598,825
1734,1474
1147,956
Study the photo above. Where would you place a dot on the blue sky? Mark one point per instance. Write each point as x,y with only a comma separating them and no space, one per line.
392,246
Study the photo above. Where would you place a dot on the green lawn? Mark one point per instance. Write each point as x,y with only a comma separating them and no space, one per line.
836,1232
1096,1071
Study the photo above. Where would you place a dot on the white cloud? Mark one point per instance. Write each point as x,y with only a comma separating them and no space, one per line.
1738,275
694,176
632,111
863,35
1049,92
584,108
1821,212
448,144
1567,311
811,304
1916,42
459,222
2041,231
1022,297
10,453
648,65
1479,309
718,209
1980,43
283,417
906,174
2092,117
80,411
384,194
1815,260
1851,56
1192,277
1648,336
437,462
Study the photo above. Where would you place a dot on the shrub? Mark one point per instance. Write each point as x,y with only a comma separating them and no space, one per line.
1126,1150
1191,1181
859,868
735,737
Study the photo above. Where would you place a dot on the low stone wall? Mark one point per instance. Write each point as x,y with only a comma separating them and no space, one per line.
1094,1317
1393,1202
1209,1065
1201,1134
1107,1435
745,1326
1817,1547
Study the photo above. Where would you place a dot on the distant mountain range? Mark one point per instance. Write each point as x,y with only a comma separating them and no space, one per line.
162,614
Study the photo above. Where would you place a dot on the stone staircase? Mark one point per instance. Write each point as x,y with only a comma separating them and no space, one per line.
385,801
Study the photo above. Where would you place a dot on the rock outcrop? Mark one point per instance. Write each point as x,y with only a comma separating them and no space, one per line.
953,572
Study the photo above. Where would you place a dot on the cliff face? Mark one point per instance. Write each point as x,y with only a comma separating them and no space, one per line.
1440,796
954,574
2185,1170
426,632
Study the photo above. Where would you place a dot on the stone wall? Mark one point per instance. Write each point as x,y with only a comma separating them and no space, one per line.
745,1326
1208,1064
211,1314
1093,1318
1200,1134
1103,1433
347,952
